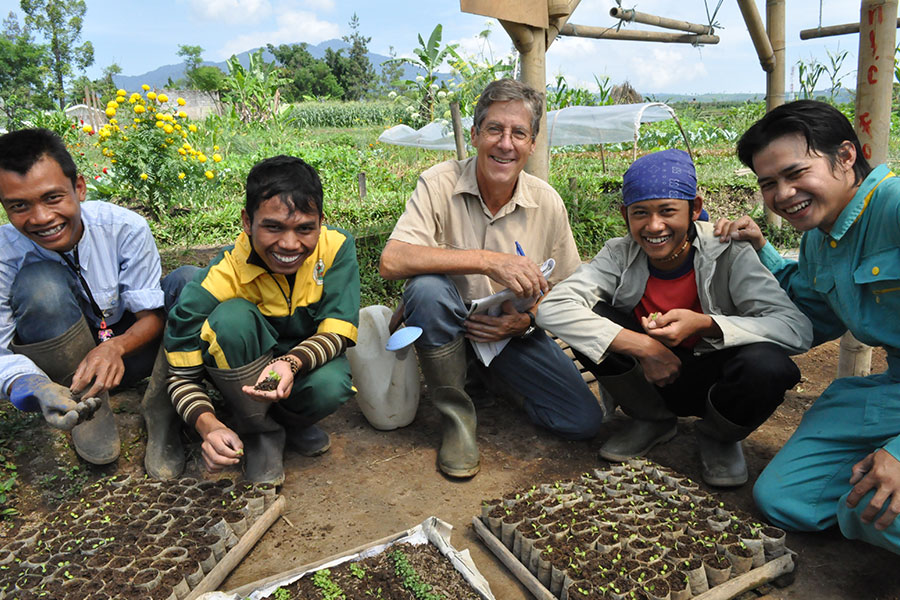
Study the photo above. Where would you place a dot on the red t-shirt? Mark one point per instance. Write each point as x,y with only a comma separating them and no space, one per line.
671,289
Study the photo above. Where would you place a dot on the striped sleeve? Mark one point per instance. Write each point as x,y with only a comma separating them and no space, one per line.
188,394
318,349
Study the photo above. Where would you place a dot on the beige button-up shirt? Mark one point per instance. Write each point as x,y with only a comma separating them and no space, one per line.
446,211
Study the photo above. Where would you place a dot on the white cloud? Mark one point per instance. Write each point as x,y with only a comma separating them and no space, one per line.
292,27
664,69
232,11
320,5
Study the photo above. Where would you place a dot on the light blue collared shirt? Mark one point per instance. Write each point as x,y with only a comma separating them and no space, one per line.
119,261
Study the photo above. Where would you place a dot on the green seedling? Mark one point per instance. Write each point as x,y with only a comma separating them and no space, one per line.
654,316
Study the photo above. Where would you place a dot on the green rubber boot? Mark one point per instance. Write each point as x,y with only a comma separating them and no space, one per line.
651,422
97,439
444,369
164,457
262,436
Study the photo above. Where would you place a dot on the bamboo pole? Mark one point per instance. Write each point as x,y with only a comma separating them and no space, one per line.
775,77
609,33
831,30
874,86
627,14
557,23
758,34
521,35
458,131
237,554
534,73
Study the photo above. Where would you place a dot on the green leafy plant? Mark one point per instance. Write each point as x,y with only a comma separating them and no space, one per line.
252,92
330,590
411,580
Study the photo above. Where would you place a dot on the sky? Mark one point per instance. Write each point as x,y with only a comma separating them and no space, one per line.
140,37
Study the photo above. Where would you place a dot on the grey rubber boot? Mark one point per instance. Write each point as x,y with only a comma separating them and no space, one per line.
444,369
164,457
651,422
262,436
721,454
97,439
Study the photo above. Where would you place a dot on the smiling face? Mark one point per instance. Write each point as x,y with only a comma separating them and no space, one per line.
283,238
661,229
44,205
804,187
504,143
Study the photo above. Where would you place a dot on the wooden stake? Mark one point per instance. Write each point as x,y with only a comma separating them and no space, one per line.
573,187
831,30
609,33
627,14
775,77
458,131
237,554
511,562
361,185
758,34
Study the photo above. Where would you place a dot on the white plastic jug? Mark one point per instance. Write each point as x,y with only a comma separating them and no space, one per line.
387,382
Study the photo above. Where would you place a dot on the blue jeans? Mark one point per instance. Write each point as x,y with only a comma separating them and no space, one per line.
46,301
556,396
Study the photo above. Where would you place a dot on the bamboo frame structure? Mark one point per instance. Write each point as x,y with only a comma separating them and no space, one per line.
609,33
775,77
832,30
627,14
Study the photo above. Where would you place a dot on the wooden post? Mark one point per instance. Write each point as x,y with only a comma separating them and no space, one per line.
775,77
361,184
874,86
758,34
602,158
458,131
534,73
573,187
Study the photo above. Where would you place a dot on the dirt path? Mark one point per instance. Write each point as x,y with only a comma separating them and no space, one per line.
372,484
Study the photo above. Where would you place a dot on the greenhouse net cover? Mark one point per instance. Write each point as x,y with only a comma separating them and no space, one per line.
572,126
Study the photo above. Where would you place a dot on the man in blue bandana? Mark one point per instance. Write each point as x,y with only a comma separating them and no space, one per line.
673,323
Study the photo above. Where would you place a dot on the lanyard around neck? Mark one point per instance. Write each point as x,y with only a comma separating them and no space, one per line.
104,333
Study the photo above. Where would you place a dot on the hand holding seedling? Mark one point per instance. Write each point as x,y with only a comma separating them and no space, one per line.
678,324
273,384
221,446
879,471
103,365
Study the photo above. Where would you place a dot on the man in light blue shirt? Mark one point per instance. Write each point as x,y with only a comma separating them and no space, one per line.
81,306
842,465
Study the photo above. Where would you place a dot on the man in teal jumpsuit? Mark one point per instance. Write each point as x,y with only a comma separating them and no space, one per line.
841,465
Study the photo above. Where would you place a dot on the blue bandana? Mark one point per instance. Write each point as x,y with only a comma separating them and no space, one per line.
665,174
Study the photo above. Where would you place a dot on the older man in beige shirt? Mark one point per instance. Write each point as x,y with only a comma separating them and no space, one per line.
457,241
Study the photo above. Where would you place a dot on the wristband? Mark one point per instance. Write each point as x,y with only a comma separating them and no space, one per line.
293,362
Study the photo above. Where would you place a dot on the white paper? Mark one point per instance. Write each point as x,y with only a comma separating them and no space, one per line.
491,305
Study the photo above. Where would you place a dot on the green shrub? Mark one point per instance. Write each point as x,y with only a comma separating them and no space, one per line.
344,114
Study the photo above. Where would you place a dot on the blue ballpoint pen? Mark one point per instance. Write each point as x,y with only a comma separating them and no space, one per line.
519,250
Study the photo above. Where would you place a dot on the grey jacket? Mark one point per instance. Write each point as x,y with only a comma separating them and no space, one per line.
735,289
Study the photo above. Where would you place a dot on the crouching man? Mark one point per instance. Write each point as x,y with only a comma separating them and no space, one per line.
81,306
705,323
281,304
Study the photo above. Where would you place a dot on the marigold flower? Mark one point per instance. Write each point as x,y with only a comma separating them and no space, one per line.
110,112
120,99
192,128
144,176
162,98
87,129
182,114
120,92
134,97
181,175
160,124
209,174
112,160
216,148
180,101
145,87
201,157
168,128
182,151
151,95
217,157
139,109
112,103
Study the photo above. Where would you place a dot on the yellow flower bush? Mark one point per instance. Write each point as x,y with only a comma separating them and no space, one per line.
156,155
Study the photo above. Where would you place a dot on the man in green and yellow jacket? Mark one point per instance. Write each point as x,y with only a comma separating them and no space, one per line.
268,320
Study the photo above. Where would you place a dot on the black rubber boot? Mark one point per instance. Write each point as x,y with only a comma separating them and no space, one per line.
164,457
651,422
444,369
97,439
721,454
263,437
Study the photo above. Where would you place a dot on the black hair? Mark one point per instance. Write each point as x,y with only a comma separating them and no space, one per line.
290,179
823,127
20,150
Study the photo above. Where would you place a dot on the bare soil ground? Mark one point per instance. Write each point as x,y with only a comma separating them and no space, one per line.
373,484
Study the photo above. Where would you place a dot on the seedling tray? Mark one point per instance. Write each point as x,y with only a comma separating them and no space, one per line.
431,531
626,499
